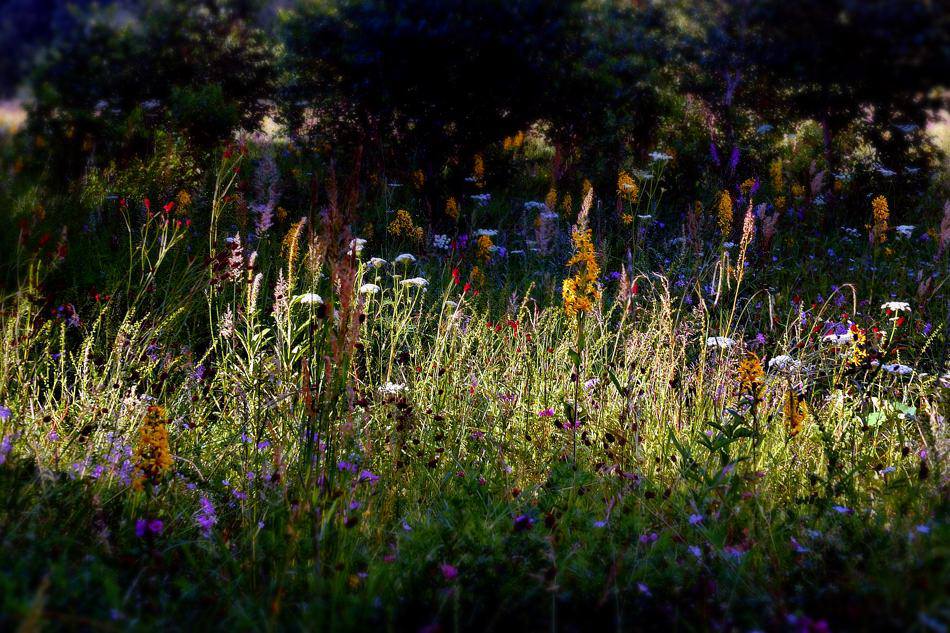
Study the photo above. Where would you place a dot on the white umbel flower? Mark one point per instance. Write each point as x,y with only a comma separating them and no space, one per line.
417,282
896,306
310,298
405,258
369,289
722,342
784,363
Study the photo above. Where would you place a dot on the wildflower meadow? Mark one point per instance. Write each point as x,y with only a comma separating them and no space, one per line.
451,316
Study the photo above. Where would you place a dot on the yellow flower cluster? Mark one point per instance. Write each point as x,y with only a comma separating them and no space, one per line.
567,205
775,171
477,277
479,171
403,226
418,179
586,187
881,213
581,291
626,219
627,187
550,200
751,376
452,209
798,190
747,185
859,349
724,208
483,247
511,143
152,455
796,411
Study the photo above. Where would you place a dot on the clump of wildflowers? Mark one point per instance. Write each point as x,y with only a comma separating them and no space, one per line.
153,457
452,209
724,210
581,290
403,226
627,187
880,214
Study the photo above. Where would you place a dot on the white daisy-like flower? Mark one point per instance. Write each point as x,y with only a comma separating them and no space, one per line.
310,298
392,388
784,363
905,230
660,156
897,368
377,262
357,244
838,339
488,232
369,289
417,282
722,342
405,258
896,306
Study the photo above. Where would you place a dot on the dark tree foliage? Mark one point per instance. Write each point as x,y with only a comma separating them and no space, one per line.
834,61
430,81
113,79
26,26
607,98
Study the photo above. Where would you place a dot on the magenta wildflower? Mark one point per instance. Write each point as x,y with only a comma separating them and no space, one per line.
206,518
449,572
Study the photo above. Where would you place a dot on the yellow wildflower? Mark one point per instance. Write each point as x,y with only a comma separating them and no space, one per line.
775,171
751,376
724,208
567,205
452,209
483,247
152,455
418,179
551,199
477,277
881,213
403,226
479,171
581,291
627,187
796,411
